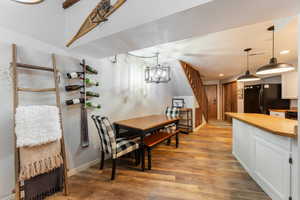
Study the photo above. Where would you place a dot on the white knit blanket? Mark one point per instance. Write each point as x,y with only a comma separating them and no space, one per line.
37,125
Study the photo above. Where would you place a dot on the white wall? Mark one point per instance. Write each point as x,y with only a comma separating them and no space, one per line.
298,104
124,94
180,82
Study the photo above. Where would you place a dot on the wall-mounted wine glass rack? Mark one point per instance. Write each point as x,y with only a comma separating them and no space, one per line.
84,97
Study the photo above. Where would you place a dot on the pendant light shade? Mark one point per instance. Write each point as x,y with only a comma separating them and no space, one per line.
248,77
273,66
29,1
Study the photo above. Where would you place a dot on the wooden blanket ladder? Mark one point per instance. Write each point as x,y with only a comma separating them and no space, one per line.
16,89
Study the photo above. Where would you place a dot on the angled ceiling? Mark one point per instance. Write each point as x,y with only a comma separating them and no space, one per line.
199,20
222,52
139,23
132,14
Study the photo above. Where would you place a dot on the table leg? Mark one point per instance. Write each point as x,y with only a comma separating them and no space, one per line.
176,123
143,152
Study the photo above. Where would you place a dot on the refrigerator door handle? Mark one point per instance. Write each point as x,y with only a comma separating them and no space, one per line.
260,100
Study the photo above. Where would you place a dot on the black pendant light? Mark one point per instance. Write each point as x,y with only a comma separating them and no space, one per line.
248,76
274,66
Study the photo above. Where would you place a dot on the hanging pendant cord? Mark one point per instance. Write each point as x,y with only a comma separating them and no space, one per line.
247,60
273,42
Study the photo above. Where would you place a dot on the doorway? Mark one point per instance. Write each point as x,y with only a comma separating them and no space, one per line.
229,99
212,97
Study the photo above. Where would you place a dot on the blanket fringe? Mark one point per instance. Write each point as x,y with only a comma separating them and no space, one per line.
40,167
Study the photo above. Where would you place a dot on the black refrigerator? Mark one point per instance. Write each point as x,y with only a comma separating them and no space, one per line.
261,98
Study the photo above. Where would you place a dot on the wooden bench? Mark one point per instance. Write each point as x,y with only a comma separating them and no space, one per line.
157,138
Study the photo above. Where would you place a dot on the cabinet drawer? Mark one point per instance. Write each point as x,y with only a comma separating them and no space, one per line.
277,114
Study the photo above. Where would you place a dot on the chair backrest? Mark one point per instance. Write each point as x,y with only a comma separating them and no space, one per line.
106,134
172,112
94,117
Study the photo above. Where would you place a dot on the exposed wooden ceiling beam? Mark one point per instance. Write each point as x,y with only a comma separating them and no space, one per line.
69,3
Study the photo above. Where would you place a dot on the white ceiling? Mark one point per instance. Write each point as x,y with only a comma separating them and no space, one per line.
44,22
222,52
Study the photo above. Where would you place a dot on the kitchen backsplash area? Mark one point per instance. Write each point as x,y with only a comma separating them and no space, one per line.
294,103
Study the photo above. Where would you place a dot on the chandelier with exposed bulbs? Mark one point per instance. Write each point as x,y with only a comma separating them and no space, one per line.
159,73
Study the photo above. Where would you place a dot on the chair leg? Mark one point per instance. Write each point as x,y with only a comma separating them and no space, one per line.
149,158
113,173
169,141
102,160
177,140
137,157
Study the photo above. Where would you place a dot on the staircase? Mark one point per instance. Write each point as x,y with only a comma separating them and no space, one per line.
194,78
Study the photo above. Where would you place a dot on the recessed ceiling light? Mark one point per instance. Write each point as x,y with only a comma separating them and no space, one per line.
221,75
29,1
285,52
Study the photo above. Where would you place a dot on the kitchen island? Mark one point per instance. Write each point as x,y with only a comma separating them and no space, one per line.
266,146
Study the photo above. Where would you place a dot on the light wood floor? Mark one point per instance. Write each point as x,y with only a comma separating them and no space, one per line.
202,168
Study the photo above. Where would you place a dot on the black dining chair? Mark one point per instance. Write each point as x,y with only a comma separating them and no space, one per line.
112,146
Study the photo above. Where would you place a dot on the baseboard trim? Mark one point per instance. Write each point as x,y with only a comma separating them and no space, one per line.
83,167
9,197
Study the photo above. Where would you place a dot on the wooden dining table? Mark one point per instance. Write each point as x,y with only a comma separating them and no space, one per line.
143,125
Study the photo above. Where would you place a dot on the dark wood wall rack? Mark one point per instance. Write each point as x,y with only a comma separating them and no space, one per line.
186,120
15,65
84,121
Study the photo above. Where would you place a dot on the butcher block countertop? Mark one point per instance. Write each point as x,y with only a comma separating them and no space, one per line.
283,110
275,125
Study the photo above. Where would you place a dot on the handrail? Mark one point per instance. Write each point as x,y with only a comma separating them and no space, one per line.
194,78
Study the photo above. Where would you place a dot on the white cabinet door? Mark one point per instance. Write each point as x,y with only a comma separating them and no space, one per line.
271,168
266,158
243,145
235,132
289,85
